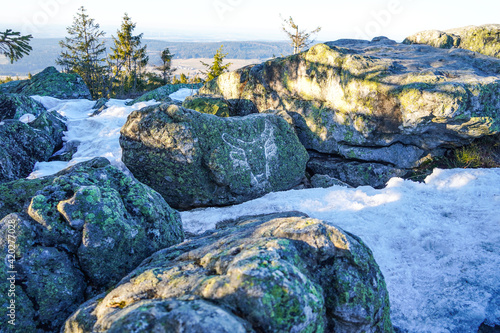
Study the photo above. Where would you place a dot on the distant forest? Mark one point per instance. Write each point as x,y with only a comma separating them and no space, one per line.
46,50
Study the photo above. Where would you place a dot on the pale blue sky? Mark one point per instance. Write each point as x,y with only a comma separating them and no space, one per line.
253,19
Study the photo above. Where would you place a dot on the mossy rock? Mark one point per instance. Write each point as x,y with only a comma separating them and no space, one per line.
207,104
377,102
14,106
195,159
484,39
79,232
162,94
274,273
50,82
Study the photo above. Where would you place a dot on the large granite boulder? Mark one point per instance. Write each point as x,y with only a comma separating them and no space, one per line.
50,82
76,234
276,273
14,106
378,101
484,39
21,147
196,159
162,94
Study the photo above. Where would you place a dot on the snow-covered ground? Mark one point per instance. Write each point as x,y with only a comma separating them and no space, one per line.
437,243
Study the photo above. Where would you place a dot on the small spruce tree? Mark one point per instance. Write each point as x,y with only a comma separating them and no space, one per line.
128,58
13,45
84,53
166,67
217,67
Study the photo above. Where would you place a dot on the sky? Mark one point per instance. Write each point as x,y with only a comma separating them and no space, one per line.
215,20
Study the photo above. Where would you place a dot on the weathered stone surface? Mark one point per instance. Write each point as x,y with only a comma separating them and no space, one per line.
324,181
50,82
22,146
52,124
162,94
79,232
277,273
484,39
196,159
375,101
219,106
352,172
14,106
99,106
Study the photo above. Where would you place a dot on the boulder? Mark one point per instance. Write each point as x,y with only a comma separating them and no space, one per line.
378,101
78,233
219,106
50,82
195,159
162,94
14,106
99,106
325,181
22,146
274,273
484,39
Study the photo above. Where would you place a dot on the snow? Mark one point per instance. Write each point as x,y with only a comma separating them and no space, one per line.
182,94
437,243
26,118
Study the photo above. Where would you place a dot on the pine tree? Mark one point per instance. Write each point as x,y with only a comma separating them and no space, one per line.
128,58
217,67
166,67
84,54
13,45
183,78
299,39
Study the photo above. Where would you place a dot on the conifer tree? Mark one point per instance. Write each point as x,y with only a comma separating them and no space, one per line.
13,45
183,78
84,53
217,67
298,38
166,67
128,58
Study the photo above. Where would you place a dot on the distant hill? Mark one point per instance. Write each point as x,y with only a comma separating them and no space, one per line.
46,50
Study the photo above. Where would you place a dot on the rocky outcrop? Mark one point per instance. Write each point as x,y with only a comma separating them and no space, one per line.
162,94
376,102
50,82
22,146
219,106
196,159
77,233
276,273
484,39
14,106
28,133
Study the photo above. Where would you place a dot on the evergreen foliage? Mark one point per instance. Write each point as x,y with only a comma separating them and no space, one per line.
166,67
84,53
299,38
128,60
217,67
13,45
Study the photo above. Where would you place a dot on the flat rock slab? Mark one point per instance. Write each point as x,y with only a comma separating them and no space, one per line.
376,101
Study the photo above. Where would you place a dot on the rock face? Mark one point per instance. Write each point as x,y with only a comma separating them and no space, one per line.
484,39
377,102
22,146
276,273
50,82
162,94
351,172
14,106
195,159
77,233
25,144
